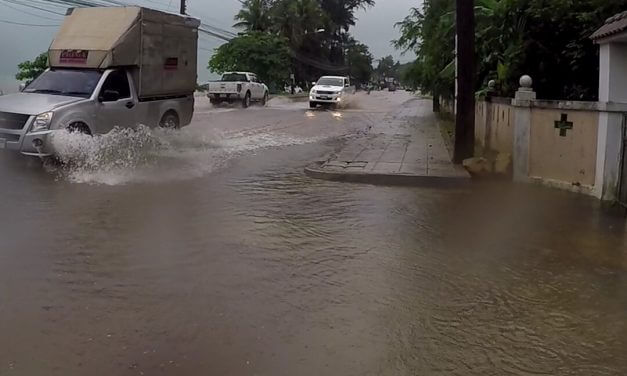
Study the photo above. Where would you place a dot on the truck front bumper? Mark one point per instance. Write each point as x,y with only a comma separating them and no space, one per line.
325,98
35,144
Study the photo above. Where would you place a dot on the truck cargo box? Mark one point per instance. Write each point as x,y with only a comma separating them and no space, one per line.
160,47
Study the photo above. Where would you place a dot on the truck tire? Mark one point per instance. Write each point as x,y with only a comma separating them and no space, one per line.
170,120
79,127
246,100
312,105
264,101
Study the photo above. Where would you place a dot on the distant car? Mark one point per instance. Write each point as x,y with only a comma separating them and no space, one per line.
330,90
241,87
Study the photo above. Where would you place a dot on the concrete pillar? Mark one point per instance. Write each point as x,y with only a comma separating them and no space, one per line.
522,128
489,108
609,153
613,72
612,92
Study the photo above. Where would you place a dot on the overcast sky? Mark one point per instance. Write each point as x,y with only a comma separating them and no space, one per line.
375,27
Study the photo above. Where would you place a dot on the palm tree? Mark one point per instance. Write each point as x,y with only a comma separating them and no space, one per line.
342,12
254,15
296,19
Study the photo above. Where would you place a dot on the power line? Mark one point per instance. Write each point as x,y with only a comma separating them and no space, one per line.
33,7
225,38
26,12
27,24
207,29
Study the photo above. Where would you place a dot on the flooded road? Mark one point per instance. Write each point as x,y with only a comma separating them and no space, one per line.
209,252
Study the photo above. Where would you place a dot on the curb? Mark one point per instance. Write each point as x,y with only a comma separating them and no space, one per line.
314,170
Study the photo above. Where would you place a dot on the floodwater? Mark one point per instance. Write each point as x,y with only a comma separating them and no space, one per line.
209,252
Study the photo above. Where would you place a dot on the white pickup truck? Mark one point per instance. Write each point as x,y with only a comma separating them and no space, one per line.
241,87
330,90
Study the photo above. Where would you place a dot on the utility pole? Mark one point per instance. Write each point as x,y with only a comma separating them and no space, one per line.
183,7
465,117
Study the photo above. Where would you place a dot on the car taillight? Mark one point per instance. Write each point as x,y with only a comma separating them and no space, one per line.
239,87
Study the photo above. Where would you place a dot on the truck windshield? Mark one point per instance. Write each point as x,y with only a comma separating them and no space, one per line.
70,82
328,81
234,77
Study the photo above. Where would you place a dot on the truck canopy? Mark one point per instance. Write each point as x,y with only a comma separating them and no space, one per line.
162,47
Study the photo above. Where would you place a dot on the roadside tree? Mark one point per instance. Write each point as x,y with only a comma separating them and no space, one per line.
29,70
267,55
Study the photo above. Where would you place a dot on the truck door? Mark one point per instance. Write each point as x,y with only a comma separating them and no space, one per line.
117,106
257,87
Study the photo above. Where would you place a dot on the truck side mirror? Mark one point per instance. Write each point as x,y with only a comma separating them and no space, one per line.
22,87
109,96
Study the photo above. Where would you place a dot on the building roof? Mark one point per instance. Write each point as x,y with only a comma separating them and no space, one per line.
613,25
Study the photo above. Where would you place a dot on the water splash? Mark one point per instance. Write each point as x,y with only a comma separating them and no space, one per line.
125,156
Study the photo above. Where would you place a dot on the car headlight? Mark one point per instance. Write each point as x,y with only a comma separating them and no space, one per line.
313,92
42,121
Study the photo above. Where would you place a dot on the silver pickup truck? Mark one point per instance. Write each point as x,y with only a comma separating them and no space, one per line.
87,101
141,69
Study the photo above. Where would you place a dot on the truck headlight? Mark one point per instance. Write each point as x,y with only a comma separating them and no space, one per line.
42,121
313,92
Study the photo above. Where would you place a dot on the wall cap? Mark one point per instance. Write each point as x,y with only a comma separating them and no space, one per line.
563,105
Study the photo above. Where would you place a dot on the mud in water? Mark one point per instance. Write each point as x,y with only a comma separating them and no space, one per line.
160,267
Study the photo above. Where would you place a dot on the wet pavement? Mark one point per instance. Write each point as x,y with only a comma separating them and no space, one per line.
210,252
405,148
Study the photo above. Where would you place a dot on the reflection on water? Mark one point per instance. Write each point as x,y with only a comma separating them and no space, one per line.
501,280
261,270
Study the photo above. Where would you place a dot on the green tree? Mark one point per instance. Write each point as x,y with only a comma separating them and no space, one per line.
548,40
29,70
316,32
265,54
297,20
359,62
430,33
254,15
387,68
341,13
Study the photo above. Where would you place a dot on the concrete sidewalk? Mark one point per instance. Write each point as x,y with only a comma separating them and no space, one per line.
407,148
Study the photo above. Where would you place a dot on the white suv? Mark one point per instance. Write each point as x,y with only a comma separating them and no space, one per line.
331,90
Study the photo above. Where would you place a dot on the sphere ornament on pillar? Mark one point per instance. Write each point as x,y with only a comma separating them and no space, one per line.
526,82
491,84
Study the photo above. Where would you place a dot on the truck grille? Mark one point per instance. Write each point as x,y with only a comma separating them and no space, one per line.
326,92
10,137
10,120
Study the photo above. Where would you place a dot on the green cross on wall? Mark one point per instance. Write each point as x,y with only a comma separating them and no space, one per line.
563,125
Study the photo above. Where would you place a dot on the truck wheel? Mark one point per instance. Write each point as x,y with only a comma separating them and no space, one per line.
79,127
264,101
246,100
169,120
312,105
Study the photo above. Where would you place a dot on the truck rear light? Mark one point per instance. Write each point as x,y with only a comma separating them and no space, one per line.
239,88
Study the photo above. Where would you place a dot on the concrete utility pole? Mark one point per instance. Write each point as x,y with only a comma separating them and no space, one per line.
465,118
183,7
